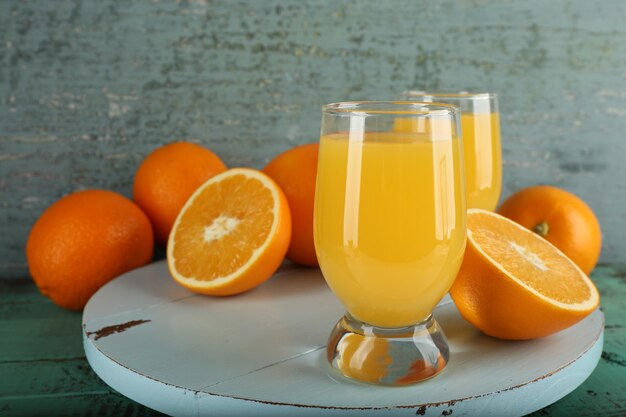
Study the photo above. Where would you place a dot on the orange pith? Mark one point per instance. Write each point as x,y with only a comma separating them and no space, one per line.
231,235
203,258
513,284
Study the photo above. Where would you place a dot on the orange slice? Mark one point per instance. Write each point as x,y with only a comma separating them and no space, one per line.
231,235
513,284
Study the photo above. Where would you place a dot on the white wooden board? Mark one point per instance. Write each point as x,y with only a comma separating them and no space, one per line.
263,353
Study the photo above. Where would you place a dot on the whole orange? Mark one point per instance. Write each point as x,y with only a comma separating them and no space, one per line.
83,241
166,179
295,172
561,218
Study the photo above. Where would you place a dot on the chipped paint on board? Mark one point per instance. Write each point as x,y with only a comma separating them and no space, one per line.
117,328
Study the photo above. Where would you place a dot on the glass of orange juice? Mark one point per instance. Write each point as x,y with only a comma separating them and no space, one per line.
480,125
389,229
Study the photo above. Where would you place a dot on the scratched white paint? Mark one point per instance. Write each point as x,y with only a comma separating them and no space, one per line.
12,156
616,111
120,104
31,139
604,93
30,202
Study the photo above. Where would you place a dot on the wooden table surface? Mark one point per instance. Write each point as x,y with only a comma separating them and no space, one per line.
43,370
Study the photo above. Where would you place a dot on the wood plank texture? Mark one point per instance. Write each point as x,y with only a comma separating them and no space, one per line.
46,374
109,404
88,88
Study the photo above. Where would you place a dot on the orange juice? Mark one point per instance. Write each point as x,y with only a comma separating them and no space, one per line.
483,159
482,155
389,223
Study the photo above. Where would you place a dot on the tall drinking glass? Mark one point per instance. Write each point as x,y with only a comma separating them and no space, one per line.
480,124
389,234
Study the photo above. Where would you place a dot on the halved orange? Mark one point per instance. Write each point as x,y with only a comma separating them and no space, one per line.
231,235
513,284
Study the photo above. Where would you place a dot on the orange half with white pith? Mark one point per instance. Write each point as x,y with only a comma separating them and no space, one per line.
513,284
231,235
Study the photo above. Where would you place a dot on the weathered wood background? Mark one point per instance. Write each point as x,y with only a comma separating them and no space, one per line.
88,88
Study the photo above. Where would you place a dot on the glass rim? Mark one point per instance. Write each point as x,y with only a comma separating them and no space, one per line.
458,95
382,107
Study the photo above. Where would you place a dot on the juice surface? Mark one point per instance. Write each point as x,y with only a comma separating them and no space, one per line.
483,159
389,223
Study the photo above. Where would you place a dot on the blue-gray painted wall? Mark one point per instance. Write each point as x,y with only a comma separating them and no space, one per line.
88,88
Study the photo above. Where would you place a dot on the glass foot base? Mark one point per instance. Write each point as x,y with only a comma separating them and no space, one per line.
384,356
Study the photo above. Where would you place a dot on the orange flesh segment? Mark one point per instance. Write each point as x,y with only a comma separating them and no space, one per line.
529,259
223,227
